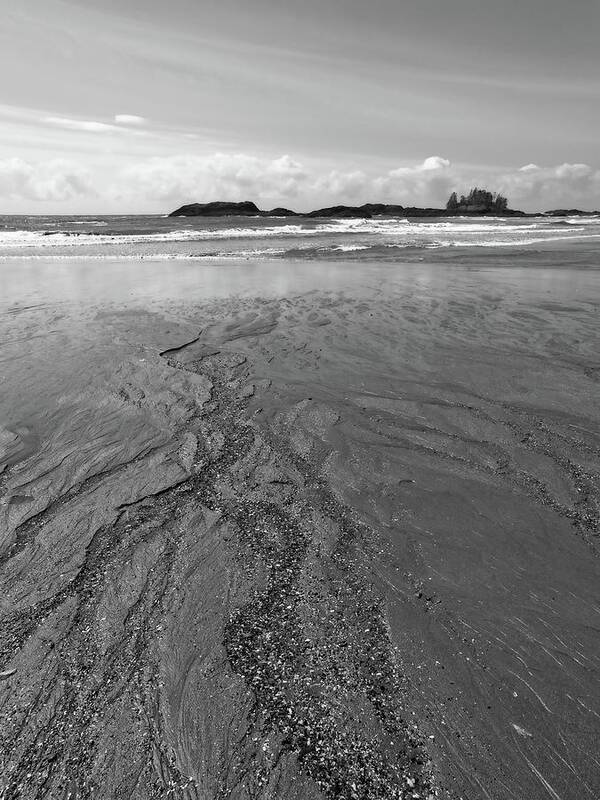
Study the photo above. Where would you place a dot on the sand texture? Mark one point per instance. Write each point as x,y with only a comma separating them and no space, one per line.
338,542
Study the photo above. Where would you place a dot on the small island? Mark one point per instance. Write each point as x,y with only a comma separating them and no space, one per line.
479,202
571,212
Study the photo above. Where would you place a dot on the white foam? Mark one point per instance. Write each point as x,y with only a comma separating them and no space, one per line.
583,220
349,248
338,235
385,227
94,222
519,242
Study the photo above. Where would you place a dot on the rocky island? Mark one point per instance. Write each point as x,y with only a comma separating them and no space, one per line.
479,202
571,212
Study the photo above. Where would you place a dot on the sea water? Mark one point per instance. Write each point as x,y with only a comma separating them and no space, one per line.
98,237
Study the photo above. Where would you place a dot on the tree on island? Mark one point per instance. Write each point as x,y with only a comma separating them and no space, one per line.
479,200
452,203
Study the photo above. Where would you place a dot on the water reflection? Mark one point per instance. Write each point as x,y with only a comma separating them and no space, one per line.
144,282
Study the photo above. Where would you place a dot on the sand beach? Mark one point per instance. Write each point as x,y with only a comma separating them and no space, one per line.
302,530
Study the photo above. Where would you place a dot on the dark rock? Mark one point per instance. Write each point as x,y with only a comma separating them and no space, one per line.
383,209
218,209
366,211
473,212
341,212
414,211
281,212
570,212
377,208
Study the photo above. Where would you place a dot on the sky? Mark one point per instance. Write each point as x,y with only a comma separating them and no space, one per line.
126,106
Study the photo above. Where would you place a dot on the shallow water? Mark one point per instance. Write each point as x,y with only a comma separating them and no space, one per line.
566,274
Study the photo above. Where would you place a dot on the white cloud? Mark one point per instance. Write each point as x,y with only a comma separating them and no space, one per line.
89,126
129,119
54,180
176,179
345,185
428,183
528,167
277,181
161,183
433,162
205,178
564,185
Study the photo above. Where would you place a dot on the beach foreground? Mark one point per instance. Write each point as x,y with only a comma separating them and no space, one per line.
299,530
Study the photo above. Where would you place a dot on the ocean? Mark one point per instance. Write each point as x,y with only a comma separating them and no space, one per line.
133,237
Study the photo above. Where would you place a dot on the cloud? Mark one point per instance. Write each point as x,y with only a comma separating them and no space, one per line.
531,187
428,183
204,178
281,180
433,162
345,185
129,119
565,185
164,182
54,180
89,126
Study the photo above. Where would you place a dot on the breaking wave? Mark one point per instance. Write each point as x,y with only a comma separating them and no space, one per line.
159,237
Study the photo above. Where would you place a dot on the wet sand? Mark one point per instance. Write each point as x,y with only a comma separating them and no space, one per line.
299,530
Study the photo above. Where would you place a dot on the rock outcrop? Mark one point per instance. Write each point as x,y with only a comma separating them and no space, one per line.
341,212
281,212
365,211
570,212
218,209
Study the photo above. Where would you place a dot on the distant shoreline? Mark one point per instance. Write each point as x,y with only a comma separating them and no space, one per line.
365,211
